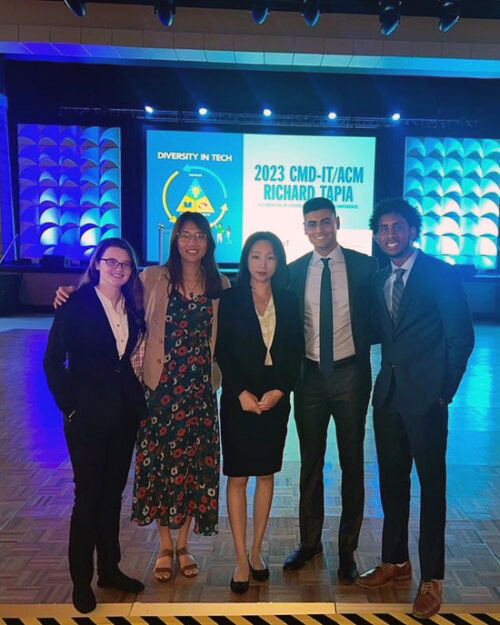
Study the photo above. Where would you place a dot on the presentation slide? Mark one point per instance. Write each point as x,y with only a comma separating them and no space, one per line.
246,182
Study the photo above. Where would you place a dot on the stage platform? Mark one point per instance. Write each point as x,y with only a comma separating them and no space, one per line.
36,498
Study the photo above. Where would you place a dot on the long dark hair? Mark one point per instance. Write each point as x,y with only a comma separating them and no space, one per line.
279,281
213,282
133,291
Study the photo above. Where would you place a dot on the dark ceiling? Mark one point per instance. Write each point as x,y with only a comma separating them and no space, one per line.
482,9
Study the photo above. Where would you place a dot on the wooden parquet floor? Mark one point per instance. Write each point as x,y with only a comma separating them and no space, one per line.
36,498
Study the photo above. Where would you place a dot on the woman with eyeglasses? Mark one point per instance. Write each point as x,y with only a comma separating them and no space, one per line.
89,372
177,464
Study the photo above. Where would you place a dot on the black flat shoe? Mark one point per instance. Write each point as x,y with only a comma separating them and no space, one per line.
240,588
121,581
259,575
84,599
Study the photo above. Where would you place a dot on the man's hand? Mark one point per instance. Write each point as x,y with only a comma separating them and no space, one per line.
249,402
270,399
62,295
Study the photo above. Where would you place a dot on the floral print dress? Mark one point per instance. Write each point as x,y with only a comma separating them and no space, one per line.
177,461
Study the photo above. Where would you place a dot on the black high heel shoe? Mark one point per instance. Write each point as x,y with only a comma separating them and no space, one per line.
259,575
240,588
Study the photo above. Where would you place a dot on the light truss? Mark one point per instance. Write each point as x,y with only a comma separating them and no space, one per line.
278,120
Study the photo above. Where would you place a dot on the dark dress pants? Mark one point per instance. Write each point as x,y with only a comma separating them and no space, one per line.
100,469
401,439
344,395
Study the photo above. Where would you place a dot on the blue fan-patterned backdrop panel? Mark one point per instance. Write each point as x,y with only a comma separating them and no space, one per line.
456,185
69,189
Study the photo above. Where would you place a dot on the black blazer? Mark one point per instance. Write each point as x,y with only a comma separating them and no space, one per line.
96,383
241,351
361,271
426,351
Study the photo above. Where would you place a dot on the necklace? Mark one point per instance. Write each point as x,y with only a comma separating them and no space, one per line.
190,286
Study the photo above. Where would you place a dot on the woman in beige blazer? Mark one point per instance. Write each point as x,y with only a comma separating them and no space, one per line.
177,461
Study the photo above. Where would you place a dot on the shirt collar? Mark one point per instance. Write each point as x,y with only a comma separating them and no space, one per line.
336,255
408,264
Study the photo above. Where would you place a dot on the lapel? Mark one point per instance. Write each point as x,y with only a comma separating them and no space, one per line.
280,315
252,324
351,279
104,329
299,284
412,287
133,332
382,277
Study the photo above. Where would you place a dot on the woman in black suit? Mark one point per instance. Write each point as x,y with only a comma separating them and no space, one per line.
102,402
259,348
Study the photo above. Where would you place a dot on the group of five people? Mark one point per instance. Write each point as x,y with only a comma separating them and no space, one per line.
308,328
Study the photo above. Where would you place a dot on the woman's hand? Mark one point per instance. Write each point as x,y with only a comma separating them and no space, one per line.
270,399
249,402
62,295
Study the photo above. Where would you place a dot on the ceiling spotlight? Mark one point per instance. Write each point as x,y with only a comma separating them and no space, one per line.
449,15
77,6
260,11
267,112
311,10
332,115
165,9
396,117
202,111
389,16
149,109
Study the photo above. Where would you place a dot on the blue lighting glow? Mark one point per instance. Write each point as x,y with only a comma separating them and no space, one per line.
396,117
202,111
332,115
149,109
267,112
456,185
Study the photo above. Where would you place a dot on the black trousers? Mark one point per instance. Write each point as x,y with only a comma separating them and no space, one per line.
400,439
100,469
344,395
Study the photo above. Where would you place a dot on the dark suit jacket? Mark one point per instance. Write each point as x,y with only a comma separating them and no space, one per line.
241,351
426,350
96,383
361,271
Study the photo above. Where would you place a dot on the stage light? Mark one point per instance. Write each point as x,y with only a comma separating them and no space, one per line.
165,9
396,117
449,15
149,109
267,112
332,115
202,111
260,11
77,6
389,16
311,10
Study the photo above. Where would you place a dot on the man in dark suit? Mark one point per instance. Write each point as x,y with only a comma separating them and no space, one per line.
425,327
333,286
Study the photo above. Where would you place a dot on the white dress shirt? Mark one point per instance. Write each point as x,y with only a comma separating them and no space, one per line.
118,320
389,283
343,343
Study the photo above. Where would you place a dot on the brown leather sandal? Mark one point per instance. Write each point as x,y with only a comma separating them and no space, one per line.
186,570
163,573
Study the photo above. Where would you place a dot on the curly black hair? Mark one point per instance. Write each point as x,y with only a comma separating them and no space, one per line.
399,206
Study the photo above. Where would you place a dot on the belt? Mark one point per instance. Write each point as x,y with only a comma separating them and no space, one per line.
337,364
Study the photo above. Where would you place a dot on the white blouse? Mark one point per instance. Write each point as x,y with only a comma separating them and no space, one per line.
118,320
267,326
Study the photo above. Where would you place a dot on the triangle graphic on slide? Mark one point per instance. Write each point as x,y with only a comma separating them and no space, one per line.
195,200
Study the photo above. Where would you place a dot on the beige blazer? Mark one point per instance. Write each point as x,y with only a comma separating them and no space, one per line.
156,286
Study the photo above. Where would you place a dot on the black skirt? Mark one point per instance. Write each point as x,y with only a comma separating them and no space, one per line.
253,444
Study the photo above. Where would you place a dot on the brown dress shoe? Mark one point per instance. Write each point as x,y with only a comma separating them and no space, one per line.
428,599
383,574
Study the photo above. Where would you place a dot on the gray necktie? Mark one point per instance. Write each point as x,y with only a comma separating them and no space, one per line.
397,292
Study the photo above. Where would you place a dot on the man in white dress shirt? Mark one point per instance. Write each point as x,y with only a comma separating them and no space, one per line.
333,286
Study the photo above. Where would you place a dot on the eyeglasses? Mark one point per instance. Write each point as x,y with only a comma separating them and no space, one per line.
112,263
188,236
